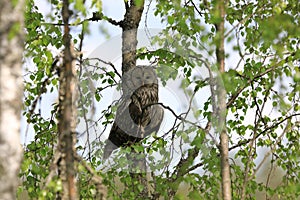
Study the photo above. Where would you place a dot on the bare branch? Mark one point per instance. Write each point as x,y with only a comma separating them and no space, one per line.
258,118
195,7
99,16
107,63
178,116
96,17
180,169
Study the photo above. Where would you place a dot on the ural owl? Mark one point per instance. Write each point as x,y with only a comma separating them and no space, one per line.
137,114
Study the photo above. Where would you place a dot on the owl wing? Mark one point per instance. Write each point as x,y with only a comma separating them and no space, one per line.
121,137
108,149
123,130
117,138
133,122
157,115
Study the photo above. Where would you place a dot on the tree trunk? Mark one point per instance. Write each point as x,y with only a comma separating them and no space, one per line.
130,26
221,107
67,114
11,49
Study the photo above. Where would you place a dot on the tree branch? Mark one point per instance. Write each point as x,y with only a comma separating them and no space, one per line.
108,63
264,131
100,16
95,178
250,81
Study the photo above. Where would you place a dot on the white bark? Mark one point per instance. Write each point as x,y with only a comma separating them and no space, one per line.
11,49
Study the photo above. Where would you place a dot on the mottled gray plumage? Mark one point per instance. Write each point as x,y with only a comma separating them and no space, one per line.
137,114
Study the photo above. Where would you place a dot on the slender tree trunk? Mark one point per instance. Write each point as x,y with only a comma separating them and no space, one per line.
11,49
130,25
221,93
67,114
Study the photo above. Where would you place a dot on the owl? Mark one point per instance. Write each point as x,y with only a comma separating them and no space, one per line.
137,114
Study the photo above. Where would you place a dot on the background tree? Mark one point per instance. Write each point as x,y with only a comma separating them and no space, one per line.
245,135
67,113
11,48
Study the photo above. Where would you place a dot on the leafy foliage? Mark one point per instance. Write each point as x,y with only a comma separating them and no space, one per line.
261,81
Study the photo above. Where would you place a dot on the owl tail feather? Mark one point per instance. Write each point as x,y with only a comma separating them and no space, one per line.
108,149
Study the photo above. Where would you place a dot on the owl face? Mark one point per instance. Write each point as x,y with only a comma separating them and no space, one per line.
143,76
138,77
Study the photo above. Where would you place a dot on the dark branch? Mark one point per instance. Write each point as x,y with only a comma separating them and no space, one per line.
110,64
96,17
99,16
43,87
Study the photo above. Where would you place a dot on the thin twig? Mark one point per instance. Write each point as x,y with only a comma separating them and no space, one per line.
43,87
286,129
264,131
242,22
107,63
96,17
95,177
233,98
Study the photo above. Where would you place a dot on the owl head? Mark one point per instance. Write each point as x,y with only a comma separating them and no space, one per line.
139,76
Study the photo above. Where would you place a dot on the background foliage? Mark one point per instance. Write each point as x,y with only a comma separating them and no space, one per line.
261,79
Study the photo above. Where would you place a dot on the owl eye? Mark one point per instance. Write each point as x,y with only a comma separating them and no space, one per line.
148,77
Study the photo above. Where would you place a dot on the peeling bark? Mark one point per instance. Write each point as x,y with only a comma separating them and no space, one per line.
11,49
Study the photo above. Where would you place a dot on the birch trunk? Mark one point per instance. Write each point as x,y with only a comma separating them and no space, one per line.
221,93
11,49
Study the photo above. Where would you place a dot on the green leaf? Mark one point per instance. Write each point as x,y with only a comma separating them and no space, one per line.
194,195
171,19
97,96
139,3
